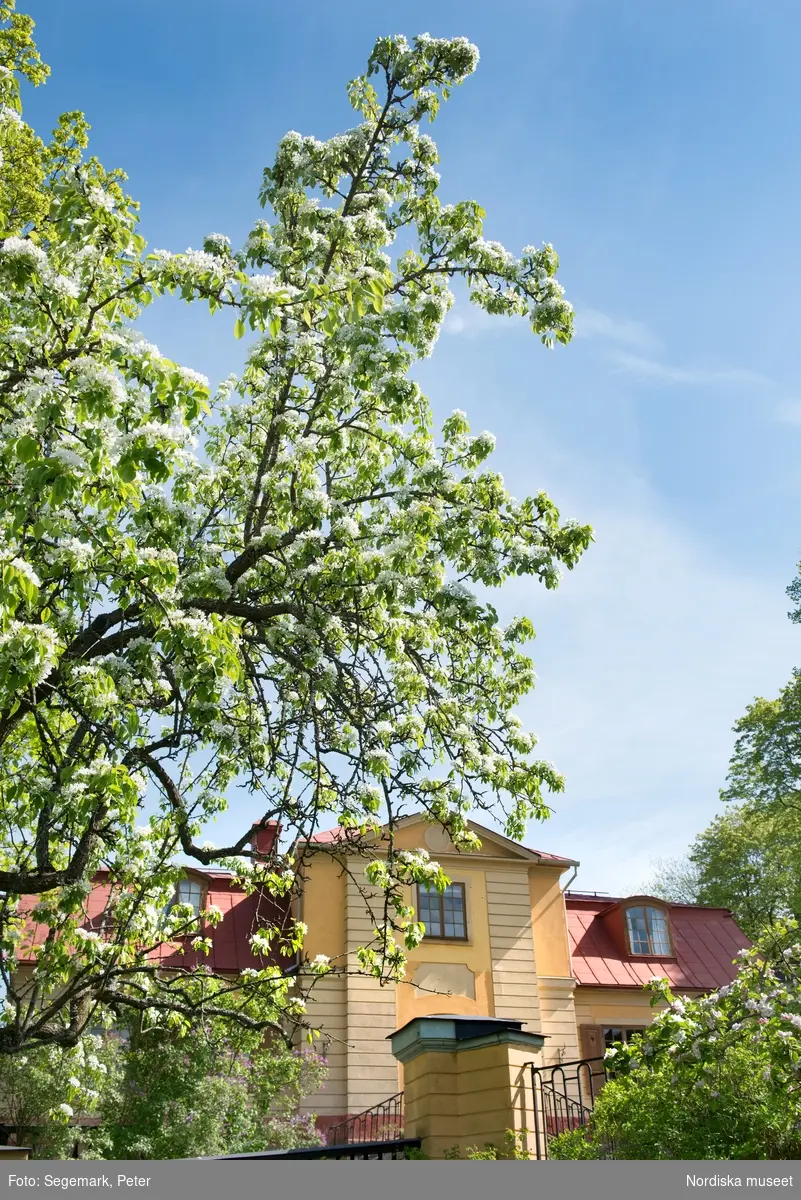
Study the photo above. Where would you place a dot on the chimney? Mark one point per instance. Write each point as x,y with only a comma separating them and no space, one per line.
264,837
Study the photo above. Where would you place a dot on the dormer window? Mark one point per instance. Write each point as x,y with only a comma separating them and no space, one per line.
647,931
190,891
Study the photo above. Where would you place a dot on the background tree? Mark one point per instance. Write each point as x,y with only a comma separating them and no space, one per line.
749,860
267,588
673,879
157,1094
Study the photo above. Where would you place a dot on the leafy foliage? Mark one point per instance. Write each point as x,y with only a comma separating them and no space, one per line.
750,861
45,1088
717,1077
159,1095
514,1147
265,588
217,1092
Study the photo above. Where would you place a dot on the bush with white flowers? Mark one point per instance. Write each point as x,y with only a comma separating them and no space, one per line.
47,1090
715,1077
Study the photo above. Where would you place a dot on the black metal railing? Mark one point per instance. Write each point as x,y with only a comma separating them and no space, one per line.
396,1148
381,1123
563,1097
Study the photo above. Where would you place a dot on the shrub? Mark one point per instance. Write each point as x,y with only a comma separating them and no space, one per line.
718,1077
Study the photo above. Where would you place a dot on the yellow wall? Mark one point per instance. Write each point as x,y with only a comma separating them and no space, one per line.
613,1006
466,1099
474,953
323,906
549,921
516,933
413,835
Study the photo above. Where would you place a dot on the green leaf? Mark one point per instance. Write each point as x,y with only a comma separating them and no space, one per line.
239,328
27,448
61,488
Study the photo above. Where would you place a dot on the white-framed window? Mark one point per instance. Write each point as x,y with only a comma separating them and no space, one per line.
190,891
647,930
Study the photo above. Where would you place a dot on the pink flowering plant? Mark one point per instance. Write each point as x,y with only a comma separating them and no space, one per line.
713,1077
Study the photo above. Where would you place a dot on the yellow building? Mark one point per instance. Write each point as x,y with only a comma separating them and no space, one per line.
506,940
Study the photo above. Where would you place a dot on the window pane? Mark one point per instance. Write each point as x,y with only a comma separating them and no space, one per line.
453,905
638,930
190,892
613,1034
429,910
657,925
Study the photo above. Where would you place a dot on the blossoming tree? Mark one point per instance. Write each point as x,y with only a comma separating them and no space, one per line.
266,588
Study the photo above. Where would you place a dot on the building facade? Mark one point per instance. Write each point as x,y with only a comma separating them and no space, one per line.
506,940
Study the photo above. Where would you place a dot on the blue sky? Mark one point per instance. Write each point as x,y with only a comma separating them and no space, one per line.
657,147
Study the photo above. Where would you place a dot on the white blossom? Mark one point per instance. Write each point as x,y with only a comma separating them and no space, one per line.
26,250
100,199
27,570
193,377
69,457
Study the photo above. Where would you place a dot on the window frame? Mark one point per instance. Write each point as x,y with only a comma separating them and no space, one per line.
190,881
440,896
625,1031
650,952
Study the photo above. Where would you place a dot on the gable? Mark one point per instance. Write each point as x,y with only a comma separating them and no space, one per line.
414,832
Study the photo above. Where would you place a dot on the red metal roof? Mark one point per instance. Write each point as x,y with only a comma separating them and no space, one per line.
242,915
230,945
706,941
328,836
557,859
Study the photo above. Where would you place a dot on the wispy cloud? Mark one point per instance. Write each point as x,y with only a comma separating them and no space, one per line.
592,323
469,320
671,373
646,656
